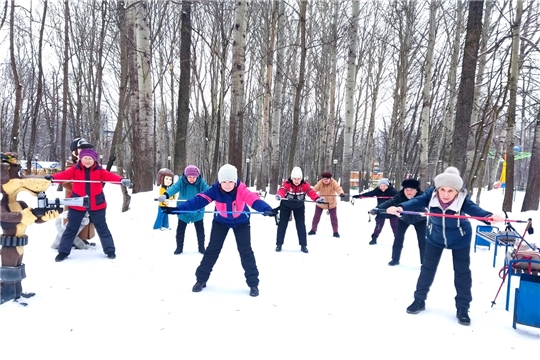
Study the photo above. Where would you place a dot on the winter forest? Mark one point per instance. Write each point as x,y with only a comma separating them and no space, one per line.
407,86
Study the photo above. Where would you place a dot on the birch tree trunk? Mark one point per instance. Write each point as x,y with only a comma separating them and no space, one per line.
143,134
299,84
352,33
426,98
275,148
511,114
264,174
237,86
331,126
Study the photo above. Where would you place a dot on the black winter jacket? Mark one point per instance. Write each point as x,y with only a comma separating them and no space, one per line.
391,191
401,198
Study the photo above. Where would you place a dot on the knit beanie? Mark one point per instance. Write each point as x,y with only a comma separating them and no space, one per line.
326,174
227,173
88,152
410,184
192,170
296,173
383,181
449,178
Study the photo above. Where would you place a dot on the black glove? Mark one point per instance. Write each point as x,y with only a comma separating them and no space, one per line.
342,195
373,211
167,210
48,177
272,212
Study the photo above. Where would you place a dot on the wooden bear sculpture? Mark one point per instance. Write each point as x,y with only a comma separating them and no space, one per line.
15,216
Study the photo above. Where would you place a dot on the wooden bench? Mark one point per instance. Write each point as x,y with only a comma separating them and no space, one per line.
487,235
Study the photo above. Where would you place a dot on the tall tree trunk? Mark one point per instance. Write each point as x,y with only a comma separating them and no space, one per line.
426,98
532,194
277,108
511,114
352,34
476,125
237,86
65,88
16,82
263,174
181,140
299,84
458,157
39,90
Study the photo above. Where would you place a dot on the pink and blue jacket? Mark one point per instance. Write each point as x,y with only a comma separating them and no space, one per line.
232,208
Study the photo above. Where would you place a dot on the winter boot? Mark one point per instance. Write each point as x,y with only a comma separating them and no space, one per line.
393,263
304,249
253,291
336,235
179,247
373,240
463,317
278,248
201,245
416,307
199,285
311,232
60,257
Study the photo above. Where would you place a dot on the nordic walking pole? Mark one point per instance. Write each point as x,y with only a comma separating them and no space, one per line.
86,181
456,216
528,229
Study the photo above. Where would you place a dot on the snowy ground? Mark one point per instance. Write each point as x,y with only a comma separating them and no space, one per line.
340,301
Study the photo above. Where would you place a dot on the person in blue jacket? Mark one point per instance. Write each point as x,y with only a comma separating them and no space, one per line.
444,231
232,201
188,185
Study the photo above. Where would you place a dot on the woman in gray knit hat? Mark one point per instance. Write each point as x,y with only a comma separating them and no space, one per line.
448,197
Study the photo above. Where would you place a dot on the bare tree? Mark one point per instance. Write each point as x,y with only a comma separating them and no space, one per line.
426,97
180,142
349,97
511,114
458,157
16,82
236,122
299,83
532,195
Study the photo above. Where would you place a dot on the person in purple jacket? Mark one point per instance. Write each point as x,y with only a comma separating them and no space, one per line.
232,199
445,231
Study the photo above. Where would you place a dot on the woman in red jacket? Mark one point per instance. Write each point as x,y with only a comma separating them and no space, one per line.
292,195
88,176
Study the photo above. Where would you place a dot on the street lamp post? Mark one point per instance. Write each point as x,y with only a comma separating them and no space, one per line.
169,162
247,175
335,164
